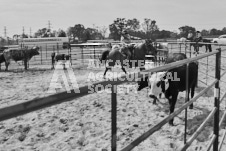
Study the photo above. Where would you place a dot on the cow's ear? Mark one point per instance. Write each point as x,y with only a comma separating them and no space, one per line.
163,76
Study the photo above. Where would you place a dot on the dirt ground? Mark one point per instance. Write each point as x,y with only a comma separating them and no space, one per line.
85,123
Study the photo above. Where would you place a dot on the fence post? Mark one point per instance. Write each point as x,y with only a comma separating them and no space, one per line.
53,48
94,56
46,52
82,55
186,100
190,49
196,85
41,53
216,100
113,117
70,54
57,48
180,47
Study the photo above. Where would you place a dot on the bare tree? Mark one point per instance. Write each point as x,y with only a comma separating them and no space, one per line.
149,26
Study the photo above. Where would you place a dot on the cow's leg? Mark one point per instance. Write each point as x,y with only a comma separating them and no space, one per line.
124,70
206,48
210,47
53,64
192,95
6,66
25,64
172,102
191,106
107,68
64,66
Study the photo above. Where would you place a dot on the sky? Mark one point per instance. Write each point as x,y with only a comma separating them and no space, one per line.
168,14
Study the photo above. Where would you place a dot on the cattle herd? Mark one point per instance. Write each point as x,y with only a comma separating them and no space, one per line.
158,83
25,55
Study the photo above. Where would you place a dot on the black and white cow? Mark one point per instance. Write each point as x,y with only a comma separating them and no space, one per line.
56,57
172,82
171,57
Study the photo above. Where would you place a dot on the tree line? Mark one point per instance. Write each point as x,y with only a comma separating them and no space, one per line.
146,29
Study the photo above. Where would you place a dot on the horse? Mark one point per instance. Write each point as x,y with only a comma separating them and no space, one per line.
135,59
196,45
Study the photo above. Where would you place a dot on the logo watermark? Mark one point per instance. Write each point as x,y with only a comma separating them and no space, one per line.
54,84
68,76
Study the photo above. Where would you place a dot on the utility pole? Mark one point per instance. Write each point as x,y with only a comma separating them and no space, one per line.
49,25
5,35
30,32
49,28
5,32
23,31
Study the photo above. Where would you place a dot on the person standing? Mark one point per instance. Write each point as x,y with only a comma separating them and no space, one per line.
198,38
125,41
190,35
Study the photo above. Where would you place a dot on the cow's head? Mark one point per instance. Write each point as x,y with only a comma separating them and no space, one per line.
35,50
158,84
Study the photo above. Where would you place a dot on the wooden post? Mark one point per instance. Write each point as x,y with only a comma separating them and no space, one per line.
216,100
113,117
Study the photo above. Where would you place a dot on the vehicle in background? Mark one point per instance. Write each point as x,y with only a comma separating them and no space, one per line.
220,40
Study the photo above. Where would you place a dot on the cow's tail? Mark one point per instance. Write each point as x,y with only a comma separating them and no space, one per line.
104,56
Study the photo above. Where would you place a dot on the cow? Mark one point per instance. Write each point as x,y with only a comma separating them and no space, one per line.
172,82
56,57
17,54
2,59
171,57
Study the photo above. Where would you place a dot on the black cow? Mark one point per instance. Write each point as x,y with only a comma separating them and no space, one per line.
17,54
2,59
57,57
172,82
197,45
